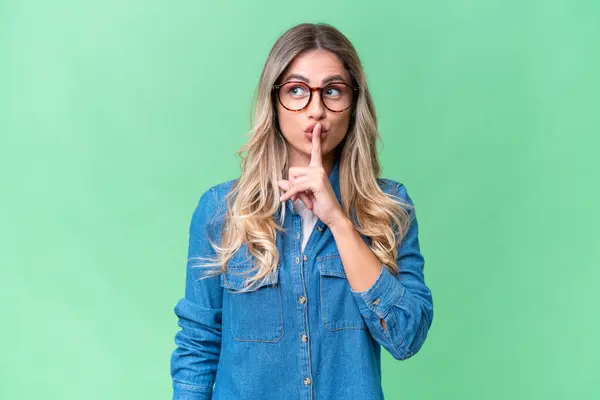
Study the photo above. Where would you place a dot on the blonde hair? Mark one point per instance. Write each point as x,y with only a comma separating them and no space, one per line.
254,197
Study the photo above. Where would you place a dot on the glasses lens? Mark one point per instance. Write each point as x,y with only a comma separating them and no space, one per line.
336,96
294,95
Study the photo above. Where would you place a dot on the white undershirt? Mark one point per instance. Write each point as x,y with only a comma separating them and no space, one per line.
308,220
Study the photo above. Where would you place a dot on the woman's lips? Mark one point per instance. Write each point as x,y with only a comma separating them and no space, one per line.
308,135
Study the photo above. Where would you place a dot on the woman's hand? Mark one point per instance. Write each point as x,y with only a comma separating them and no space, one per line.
312,185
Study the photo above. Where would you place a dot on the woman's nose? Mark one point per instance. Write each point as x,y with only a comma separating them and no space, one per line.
316,107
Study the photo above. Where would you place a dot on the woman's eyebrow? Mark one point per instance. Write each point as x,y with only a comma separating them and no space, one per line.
325,81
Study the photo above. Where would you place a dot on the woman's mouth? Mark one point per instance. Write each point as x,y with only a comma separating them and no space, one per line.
308,135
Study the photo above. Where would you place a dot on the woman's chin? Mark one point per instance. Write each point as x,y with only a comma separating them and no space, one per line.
308,151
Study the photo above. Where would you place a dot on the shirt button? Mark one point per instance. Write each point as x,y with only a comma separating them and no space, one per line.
297,260
302,299
305,257
304,338
319,228
376,301
306,381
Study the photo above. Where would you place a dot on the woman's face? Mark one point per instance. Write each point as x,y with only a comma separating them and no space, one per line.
314,68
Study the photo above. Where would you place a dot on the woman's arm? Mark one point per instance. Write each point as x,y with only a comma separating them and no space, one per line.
398,310
194,361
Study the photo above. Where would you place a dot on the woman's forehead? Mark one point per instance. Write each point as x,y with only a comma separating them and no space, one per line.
316,69
316,73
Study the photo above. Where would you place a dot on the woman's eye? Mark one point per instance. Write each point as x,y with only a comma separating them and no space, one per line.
297,91
332,91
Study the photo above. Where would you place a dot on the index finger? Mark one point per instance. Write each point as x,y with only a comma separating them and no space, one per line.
315,156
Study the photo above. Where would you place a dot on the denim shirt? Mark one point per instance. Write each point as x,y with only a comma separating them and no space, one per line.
305,334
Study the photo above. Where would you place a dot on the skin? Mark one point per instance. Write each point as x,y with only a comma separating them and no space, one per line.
311,160
315,65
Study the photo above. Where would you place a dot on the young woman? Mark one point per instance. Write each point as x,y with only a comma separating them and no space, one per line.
300,270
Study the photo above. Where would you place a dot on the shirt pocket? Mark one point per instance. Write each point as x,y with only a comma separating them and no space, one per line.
339,310
255,315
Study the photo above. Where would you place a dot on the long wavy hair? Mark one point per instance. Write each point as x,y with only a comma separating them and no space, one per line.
253,199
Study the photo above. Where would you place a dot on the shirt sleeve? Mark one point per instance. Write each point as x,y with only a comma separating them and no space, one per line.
403,302
194,360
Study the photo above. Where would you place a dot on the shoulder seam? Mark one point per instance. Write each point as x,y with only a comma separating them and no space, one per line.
214,192
399,186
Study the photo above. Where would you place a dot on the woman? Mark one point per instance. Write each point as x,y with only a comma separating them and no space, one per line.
300,270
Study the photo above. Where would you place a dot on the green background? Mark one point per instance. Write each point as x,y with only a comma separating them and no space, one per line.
115,116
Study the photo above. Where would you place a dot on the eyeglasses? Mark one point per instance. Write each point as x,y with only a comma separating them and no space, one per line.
336,96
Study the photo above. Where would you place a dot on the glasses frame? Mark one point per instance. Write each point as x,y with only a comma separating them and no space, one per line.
314,89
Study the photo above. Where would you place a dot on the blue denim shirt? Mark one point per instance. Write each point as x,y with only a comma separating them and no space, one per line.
303,335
